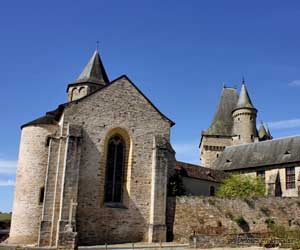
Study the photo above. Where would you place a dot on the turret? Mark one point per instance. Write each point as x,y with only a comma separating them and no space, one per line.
30,181
244,119
264,133
92,78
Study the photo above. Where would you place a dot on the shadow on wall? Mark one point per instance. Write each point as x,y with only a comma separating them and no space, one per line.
171,209
98,223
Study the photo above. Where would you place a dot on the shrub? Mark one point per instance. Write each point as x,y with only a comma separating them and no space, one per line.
241,186
242,223
270,223
175,185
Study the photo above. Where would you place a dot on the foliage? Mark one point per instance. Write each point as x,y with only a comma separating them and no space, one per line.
5,220
241,186
175,185
242,223
270,223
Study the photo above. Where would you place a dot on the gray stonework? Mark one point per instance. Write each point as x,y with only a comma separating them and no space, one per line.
74,166
30,179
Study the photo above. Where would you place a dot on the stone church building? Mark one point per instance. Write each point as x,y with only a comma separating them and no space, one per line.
95,170
96,166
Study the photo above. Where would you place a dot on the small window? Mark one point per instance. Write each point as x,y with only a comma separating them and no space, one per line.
217,155
262,175
42,195
290,177
252,137
212,191
251,118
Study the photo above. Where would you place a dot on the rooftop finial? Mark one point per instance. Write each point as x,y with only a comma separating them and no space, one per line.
243,80
97,46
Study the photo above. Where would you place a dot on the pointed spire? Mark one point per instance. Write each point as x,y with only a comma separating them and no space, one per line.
262,132
94,71
268,132
244,99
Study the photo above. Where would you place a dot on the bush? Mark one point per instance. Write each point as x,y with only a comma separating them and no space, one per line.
270,223
175,185
241,186
242,223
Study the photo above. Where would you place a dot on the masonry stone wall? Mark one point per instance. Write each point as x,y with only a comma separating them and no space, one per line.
244,125
117,107
189,216
211,147
31,174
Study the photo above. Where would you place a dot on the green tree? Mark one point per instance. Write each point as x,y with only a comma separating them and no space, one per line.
175,185
241,186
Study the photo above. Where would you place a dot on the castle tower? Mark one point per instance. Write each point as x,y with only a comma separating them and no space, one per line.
244,119
219,134
92,78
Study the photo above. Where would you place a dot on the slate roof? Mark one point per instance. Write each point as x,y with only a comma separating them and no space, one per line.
94,71
199,172
258,154
244,100
222,122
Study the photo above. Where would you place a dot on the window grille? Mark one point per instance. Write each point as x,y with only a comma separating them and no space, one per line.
114,169
290,177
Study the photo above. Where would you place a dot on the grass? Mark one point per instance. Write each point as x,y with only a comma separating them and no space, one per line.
5,216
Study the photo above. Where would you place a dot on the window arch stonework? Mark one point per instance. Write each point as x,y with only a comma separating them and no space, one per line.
116,168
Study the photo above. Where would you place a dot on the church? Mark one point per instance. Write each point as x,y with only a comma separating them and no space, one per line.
95,170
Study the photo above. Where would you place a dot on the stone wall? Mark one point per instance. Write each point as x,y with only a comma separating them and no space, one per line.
120,108
30,180
211,147
187,216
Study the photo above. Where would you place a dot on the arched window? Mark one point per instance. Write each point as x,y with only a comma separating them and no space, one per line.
212,191
115,162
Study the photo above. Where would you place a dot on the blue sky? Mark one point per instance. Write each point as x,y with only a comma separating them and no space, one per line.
179,53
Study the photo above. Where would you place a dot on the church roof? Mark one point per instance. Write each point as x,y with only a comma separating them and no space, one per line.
199,172
53,117
222,122
258,154
94,71
244,100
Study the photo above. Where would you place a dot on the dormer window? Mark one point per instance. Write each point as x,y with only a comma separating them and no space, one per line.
287,152
228,161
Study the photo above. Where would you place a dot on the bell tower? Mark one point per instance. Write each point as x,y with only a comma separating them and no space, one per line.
91,79
244,119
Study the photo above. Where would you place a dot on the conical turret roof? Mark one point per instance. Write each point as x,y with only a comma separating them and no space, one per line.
244,100
94,71
262,132
222,122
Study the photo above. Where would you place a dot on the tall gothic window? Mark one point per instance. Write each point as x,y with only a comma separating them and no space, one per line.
115,162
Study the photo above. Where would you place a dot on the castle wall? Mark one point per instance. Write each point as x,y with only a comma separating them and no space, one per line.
30,180
121,107
188,216
211,147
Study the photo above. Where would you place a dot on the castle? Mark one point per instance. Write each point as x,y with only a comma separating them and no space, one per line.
95,170
233,144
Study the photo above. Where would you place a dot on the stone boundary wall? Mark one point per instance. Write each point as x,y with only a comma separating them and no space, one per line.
190,215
